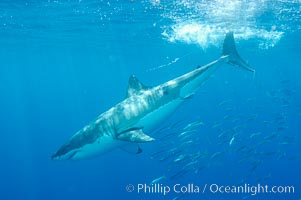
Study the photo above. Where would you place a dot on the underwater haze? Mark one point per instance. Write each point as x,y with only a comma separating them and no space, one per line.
64,62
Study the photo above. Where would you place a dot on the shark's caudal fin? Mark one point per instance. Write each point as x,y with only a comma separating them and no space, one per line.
229,49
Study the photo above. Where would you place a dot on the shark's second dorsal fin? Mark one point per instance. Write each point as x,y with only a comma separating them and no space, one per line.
135,86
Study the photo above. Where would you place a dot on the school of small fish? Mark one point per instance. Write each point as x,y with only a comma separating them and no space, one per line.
247,139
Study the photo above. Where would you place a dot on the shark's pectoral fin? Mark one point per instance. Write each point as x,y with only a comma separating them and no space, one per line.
134,135
132,148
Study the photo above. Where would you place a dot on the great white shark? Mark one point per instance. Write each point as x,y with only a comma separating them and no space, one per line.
129,122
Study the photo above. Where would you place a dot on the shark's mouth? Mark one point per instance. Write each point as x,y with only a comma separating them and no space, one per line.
65,153
68,156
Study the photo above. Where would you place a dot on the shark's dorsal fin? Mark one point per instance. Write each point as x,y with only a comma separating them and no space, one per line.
134,135
135,86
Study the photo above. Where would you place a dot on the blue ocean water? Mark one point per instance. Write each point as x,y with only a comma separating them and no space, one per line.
65,62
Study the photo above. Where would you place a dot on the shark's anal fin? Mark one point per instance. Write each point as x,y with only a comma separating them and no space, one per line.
134,135
135,86
132,148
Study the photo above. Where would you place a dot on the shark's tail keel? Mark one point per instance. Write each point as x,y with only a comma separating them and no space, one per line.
229,49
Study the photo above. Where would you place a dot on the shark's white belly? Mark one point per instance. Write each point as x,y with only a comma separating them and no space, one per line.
102,145
157,117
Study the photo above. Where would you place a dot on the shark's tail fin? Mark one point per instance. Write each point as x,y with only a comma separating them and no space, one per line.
229,49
